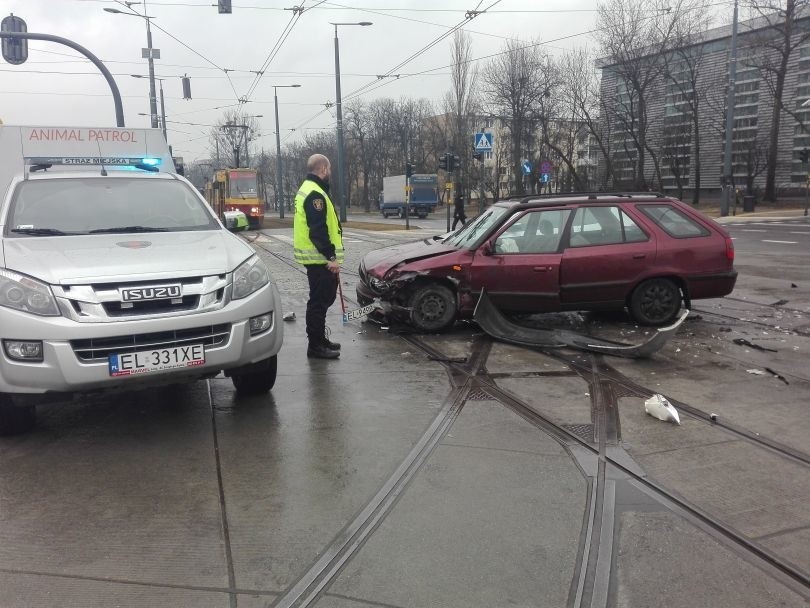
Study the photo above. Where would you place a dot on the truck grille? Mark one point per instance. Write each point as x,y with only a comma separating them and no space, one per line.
98,349
102,302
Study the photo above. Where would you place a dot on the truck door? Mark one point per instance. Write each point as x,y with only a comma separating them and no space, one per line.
521,269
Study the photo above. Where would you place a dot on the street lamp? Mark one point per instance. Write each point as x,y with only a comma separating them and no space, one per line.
149,53
162,105
339,105
279,189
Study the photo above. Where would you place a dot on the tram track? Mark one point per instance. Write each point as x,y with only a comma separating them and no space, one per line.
591,581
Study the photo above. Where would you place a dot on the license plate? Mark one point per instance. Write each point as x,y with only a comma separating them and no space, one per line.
156,360
359,312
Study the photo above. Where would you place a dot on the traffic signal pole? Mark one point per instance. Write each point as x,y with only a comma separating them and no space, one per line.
119,107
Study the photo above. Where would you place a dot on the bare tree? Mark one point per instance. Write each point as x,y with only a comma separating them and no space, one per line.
461,102
782,34
515,83
635,36
579,93
231,137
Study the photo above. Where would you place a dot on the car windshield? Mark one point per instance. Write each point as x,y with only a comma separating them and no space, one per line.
472,233
105,204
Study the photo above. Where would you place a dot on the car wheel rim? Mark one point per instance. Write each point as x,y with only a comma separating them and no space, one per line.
658,302
432,308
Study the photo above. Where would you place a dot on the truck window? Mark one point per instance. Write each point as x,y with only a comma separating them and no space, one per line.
82,205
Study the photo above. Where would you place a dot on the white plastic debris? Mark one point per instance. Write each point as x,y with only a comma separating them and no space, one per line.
290,316
757,372
659,407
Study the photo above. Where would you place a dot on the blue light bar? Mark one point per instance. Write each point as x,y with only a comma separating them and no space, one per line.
152,162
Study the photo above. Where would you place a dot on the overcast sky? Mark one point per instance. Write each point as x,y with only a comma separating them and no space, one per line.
32,94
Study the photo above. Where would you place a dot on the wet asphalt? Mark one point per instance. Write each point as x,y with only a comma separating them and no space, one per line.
498,477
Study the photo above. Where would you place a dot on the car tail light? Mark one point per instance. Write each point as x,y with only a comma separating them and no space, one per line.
729,249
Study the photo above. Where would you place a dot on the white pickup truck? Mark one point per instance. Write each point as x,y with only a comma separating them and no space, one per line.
116,274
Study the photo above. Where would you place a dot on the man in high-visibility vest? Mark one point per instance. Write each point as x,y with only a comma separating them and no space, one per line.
318,243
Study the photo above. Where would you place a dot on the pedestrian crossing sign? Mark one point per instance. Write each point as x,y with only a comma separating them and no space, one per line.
483,142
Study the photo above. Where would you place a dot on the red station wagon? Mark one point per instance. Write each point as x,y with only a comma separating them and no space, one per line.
644,252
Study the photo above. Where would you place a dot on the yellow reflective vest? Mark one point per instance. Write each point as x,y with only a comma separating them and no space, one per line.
305,250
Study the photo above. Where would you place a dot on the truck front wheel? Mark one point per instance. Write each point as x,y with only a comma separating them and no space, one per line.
260,379
15,420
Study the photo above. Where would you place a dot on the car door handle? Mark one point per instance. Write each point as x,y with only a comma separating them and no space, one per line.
541,268
639,256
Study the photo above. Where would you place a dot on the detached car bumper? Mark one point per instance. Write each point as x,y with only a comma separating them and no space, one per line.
75,355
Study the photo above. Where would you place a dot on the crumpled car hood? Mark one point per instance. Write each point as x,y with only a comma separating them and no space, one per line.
380,261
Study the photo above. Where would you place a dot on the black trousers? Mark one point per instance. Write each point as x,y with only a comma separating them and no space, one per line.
322,294
459,217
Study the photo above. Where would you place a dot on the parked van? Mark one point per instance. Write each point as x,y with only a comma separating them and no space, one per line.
116,274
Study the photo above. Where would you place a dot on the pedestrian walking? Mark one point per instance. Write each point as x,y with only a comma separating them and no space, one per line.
458,215
318,244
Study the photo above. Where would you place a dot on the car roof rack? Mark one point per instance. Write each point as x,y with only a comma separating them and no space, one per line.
524,198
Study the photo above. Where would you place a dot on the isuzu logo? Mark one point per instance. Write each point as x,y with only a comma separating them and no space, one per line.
161,292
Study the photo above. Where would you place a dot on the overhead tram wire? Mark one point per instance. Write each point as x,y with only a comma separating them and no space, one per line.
176,39
468,17
297,12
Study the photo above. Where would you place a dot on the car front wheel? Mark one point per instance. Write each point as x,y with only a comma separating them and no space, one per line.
433,308
259,381
655,302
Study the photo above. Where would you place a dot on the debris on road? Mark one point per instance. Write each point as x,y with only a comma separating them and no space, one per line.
499,327
757,372
447,359
659,407
777,375
744,342
290,316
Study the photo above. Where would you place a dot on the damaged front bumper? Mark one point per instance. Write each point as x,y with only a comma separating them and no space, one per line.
499,327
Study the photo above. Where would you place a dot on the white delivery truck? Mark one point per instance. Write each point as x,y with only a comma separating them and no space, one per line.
116,274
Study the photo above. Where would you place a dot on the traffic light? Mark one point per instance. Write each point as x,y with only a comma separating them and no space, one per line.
224,7
15,50
478,155
443,162
186,87
804,155
453,161
408,169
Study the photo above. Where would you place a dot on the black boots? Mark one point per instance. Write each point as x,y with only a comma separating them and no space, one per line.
322,351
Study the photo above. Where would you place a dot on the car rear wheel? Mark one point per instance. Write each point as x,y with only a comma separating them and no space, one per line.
258,382
655,302
15,420
433,308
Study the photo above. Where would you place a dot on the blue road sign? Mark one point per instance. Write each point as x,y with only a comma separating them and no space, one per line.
545,178
483,142
527,168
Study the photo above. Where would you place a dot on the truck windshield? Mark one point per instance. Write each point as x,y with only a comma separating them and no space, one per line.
472,234
243,185
105,204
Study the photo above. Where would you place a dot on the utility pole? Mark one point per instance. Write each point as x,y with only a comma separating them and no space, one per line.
732,79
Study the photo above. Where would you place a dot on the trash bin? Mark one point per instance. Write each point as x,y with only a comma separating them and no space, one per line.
748,202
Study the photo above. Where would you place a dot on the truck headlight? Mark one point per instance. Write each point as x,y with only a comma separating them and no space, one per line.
23,293
251,276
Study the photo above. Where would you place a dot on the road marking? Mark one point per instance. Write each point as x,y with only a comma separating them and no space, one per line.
746,230
783,242
798,232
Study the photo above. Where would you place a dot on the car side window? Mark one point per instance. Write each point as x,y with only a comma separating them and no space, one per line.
673,221
534,232
604,226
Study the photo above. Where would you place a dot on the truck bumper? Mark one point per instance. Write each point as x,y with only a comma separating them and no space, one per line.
64,370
